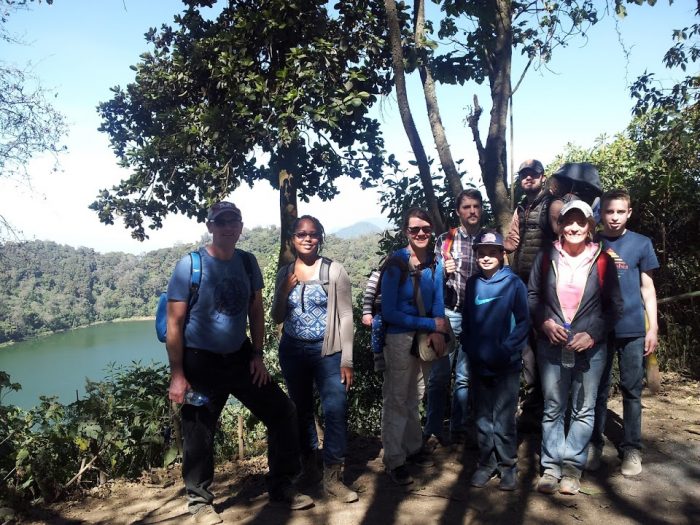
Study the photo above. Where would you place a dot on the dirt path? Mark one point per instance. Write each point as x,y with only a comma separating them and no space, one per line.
668,491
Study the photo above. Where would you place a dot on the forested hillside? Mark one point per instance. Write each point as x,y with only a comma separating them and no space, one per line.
47,287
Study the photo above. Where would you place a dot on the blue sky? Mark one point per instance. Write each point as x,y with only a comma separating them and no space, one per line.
80,48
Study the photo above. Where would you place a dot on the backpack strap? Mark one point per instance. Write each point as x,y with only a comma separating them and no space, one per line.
449,241
246,258
324,273
195,278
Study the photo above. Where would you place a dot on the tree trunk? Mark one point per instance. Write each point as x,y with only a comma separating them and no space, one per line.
454,183
493,156
406,117
288,214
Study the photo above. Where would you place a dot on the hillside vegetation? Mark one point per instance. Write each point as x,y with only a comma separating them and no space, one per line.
46,287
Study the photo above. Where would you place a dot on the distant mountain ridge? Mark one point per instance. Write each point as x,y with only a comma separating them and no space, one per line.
357,230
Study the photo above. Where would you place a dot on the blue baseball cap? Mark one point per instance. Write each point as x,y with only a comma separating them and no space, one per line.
488,238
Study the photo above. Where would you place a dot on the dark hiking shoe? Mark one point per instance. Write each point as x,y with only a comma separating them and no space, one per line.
290,498
310,473
481,477
400,475
420,459
333,484
509,480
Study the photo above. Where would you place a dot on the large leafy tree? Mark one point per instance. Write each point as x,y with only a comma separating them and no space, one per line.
29,124
474,41
267,90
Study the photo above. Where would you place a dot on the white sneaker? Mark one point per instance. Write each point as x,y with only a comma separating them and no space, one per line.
594,455
631,462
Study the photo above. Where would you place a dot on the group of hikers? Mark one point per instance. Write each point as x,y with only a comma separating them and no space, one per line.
545,303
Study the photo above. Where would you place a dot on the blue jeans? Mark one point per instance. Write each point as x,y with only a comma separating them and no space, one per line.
565,454
439,382
496,402
630,355
303,366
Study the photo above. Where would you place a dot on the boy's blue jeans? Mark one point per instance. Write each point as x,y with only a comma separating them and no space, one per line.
496,402
565,454
630,355
303,366
439,382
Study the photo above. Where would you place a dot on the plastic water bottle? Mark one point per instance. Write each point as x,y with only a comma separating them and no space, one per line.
568,356
195,398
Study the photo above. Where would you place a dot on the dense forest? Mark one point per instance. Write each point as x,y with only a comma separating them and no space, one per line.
47,287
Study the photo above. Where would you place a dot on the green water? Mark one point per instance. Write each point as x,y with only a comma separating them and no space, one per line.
58,364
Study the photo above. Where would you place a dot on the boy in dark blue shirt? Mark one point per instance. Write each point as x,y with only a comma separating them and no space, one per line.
495,324
635,261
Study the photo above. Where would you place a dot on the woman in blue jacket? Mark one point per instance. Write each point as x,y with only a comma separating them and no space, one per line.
411,275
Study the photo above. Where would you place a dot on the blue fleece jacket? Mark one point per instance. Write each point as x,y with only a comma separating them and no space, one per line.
399,310
495,322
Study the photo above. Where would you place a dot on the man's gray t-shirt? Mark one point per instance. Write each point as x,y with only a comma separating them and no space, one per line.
217,321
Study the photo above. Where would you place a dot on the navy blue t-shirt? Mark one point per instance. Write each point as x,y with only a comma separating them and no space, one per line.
217,321
633,254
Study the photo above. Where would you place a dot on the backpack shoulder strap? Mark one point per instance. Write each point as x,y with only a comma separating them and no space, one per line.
602,263
195,277
324,273
247,263
449,241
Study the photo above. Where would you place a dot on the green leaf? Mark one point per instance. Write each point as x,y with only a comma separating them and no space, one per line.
170,456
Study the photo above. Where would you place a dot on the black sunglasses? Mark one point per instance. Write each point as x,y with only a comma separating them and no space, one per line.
303,235
415,230
226,222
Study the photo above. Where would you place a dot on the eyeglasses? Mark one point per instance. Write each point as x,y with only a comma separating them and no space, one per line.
227,222
415,230
303,235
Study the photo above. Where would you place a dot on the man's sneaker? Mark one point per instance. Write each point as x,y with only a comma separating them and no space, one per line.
291,498
569,485
481,477
509,479
400,475
547,484
420,459
631,462
594,455
206,515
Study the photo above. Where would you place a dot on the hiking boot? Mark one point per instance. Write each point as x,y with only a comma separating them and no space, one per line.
547,484
569,485
334,486
400,475
594,455
481,477
290,497
206,515
631,462
310,473
420,459
509,479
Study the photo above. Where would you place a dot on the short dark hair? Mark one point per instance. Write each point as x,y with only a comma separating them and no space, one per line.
416,212
616,194
469,193
317,225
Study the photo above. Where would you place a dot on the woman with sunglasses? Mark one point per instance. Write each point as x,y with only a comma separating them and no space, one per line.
316,348
411,275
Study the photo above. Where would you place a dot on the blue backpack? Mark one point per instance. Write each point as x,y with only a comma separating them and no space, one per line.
162,308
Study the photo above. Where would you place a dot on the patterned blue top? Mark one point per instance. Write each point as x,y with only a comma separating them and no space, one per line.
307,309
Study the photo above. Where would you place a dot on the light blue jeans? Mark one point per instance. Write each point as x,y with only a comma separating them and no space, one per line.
439,382
565,453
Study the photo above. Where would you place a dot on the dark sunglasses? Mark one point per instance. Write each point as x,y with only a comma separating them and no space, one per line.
415,230
531,174
227,222
303,235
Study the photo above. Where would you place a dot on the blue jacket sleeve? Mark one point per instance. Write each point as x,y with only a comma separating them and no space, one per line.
516,340
391,312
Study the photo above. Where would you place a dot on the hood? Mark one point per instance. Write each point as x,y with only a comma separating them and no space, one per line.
499,276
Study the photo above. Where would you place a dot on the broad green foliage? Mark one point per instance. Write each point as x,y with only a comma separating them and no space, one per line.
263,87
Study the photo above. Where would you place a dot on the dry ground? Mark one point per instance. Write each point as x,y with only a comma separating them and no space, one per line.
668,491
